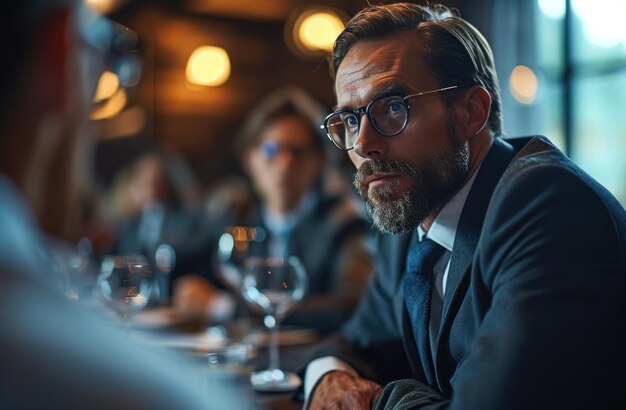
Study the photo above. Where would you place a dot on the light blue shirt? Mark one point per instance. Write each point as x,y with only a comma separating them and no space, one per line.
281,225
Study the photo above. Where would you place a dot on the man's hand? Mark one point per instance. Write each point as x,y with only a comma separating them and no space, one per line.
342,390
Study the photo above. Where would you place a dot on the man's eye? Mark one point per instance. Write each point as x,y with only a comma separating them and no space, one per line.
351,121
395,107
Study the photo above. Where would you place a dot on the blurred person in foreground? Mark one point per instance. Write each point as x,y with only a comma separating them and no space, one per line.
501,276
55,353
283,154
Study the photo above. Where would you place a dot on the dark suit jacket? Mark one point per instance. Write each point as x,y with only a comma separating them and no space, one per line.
188,233
534,314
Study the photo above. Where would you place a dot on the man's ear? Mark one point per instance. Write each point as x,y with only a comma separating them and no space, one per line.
472,111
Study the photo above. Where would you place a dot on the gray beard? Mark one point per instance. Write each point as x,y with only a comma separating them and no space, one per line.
432,186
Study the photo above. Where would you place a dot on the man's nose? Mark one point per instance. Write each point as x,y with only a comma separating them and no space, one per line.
369,143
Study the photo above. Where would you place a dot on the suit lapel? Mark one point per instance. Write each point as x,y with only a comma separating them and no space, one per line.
470,225
464,246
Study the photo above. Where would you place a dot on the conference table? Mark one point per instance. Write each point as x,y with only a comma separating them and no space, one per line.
226,355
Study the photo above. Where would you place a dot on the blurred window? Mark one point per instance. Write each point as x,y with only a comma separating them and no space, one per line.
576,50
580,49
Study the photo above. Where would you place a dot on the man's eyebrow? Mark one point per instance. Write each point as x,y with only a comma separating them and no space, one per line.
392,89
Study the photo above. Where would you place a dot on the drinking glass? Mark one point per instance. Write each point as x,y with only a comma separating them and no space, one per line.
275,285
235,246
124,285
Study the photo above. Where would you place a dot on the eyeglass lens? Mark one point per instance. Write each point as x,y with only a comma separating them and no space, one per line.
387,115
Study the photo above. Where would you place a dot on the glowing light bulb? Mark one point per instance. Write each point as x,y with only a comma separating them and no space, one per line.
319,30
208,65
107,86
112,107
523,84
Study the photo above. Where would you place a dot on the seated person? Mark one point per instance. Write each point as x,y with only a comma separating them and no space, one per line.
284,158
501,265
154,214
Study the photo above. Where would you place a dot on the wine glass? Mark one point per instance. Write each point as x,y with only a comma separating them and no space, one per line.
235,245
275,285
124,285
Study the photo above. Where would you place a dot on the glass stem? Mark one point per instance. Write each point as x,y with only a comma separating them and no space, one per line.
272,325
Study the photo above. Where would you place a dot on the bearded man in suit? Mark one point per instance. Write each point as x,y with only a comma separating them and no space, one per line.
524,306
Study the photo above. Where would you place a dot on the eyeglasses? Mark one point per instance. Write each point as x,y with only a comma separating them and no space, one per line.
388,115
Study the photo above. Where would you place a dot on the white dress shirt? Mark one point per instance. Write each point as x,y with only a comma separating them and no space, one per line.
443,229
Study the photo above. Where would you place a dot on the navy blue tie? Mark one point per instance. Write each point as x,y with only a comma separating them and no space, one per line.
417,285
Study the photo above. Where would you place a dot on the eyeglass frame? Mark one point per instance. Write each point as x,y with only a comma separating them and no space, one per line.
366,109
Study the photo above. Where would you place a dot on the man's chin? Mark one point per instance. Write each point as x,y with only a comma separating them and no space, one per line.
392,217
377,196
394,211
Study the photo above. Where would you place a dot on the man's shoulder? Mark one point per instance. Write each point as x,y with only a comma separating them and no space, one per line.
529,143
542,180
540,167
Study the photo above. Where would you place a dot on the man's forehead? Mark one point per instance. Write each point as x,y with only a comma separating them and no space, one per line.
371,64
367,58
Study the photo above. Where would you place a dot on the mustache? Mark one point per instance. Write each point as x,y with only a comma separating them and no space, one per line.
373,166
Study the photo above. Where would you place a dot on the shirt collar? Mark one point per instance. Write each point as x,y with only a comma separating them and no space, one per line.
283,223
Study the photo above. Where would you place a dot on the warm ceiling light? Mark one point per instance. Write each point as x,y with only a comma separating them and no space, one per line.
208,65
312,32
523,84
107,86
111,107
318,30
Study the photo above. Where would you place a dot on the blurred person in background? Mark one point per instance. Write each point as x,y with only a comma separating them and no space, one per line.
54,353
283,155
156,210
